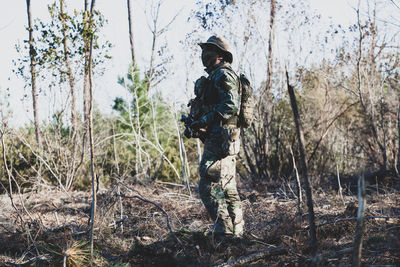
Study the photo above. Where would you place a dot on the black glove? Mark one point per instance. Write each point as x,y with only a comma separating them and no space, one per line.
188,133
196,125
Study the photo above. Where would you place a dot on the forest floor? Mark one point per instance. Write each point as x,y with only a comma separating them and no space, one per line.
56,228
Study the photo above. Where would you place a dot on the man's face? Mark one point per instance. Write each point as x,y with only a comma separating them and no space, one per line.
209,56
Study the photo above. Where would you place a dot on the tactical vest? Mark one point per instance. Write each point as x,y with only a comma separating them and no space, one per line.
211,98
244,116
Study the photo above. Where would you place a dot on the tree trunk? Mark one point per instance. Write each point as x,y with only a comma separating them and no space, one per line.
155,33
303,161
71,77
271,44
247,151
86,45
270,61
182,153
340,185
357,248
153,50
369,114
32,54
121,208
398,138
90,128
298,183
131,40
264,110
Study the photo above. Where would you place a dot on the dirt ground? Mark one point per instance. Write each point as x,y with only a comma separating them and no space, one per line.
55,228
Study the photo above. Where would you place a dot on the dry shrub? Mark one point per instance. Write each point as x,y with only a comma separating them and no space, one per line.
271,219
76,253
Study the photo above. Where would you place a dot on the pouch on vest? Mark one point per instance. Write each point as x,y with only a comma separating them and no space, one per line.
230,141
246,104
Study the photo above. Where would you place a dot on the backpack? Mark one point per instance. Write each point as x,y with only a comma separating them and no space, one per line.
246,104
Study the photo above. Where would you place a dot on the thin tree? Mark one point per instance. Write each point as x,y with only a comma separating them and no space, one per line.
398,138
70,75
298,183
364,91
156,33
304,168
71,80
271,45
261,129
182,152
32,55
358,237
268,88
265,97
130,24
86,44
90,125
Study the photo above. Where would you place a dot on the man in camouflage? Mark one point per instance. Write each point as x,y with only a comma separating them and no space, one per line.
221,102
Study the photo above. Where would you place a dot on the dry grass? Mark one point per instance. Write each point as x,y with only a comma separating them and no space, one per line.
76,254
272,219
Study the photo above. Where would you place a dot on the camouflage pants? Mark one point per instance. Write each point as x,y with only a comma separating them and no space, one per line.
217,187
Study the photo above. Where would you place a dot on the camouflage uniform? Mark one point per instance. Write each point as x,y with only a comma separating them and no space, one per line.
217,186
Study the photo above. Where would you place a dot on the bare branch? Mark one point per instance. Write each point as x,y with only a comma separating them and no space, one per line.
164,212
254,256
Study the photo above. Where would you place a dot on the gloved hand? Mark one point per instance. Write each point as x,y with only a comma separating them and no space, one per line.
188,133
196,125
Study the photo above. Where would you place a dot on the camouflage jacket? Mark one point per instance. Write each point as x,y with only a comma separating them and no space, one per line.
221,98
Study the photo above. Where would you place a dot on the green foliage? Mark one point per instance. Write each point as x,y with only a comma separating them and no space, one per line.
172,153
348,108
59,46
19,159
73,253
139,107
49,47
146,128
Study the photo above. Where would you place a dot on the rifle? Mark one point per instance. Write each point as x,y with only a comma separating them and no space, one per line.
196,111
190,132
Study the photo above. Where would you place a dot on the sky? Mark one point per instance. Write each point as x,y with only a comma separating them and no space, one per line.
13,20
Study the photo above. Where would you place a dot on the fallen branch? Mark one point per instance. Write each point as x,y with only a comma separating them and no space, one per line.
324,257
164,212
37,260
44,162
355,218
335,254
254,256
167,183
